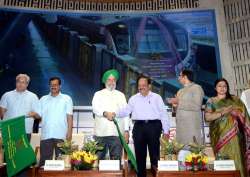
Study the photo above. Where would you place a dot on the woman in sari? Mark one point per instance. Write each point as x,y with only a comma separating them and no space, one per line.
229,127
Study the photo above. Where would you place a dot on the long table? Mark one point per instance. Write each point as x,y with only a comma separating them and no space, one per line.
96,173
199,174
84,173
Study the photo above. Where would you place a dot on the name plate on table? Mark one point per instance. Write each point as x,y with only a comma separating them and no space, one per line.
109,165
56,165
168,165
224,165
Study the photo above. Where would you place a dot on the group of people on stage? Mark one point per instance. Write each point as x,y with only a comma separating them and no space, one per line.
227,116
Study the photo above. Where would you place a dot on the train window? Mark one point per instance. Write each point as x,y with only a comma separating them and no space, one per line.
181,40
151,42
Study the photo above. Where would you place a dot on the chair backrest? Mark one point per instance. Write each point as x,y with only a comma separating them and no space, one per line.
35,140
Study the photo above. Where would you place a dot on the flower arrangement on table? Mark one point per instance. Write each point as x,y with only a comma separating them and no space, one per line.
170,149
197,159
196,162
85,159
82,160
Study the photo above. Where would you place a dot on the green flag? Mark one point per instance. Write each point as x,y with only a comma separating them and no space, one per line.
17,149
131,156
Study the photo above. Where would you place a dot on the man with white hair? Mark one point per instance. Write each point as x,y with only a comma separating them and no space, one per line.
104,101
20,102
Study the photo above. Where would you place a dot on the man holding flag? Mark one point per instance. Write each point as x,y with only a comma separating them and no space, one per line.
18,103
109,99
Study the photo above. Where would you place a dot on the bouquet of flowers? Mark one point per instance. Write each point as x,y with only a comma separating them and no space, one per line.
197,159
82,160
195,162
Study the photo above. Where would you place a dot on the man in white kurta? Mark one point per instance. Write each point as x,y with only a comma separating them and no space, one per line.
104,101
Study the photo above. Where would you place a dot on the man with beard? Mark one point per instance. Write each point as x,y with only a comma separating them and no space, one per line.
105,101
188,101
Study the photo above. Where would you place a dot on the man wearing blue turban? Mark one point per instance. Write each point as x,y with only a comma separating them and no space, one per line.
109,100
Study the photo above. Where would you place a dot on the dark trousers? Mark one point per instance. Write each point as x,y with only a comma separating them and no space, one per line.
24,172
146,134
111,144
47,148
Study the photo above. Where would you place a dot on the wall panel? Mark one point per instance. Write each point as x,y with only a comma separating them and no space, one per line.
238,27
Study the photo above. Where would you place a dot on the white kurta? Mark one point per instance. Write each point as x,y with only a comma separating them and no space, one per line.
111,101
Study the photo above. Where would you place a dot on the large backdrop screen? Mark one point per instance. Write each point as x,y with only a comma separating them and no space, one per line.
79,47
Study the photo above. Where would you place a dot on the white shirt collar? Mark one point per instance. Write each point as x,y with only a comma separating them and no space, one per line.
56,95
149,94
25,91
109,91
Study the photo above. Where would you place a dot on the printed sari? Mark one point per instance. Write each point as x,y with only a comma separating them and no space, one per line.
230,134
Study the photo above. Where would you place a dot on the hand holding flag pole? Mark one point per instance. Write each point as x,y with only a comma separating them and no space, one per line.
130,154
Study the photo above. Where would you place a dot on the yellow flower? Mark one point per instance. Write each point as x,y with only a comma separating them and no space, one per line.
205,159
83,157
188,158
90,158
196,158
75,156
195,155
